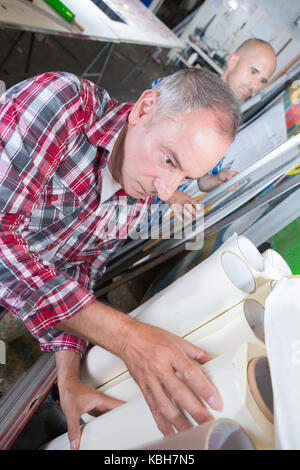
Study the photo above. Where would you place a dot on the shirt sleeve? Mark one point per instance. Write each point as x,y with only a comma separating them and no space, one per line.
38,120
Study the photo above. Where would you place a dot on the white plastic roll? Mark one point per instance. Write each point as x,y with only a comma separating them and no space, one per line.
243,247
242,324
275,265
132,425
220,282
261,294
222,434
264,267
229,374
194,299
282,330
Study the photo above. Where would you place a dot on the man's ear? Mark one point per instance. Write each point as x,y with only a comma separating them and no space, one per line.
232,61
144,107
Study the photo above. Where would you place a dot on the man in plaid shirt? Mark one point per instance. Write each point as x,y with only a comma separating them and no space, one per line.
70,157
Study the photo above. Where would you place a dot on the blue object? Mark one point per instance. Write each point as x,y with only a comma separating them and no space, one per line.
146,2
218,167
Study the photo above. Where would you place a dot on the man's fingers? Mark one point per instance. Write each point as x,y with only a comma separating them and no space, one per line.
167,415
150,387
189,211
109,403
192,209
192,374
226,175
177,209
102,404
92,402
231,173
186,398
195,353
162,423
73,431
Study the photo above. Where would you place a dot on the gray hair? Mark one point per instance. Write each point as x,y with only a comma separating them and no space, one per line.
191,89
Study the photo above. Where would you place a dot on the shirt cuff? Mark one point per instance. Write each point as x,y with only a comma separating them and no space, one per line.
64,341
57,300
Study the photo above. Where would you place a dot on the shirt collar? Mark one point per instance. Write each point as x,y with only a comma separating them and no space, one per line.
103,132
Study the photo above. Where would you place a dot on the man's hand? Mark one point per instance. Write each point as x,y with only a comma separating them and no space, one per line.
77,398
184,206
154,358
157,359
209,182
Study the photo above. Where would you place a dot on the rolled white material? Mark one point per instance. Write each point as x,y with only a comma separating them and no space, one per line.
243,247
222,434
220,282
275,265
264,267
282,330
132,425
261,267
261,294
243,323
229,375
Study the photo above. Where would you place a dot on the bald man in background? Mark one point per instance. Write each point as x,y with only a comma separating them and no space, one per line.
248,70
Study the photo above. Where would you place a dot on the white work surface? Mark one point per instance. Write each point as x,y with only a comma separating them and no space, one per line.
141,27
88,15
23,15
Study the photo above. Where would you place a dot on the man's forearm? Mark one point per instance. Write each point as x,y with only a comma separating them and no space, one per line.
101,325
67,366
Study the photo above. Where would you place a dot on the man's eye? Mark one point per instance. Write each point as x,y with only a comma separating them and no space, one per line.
167,160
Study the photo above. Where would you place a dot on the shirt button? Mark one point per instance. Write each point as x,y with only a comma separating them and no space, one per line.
82,216
50,247
54,197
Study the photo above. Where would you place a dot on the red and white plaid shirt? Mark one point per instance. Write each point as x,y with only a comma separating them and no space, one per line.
57,132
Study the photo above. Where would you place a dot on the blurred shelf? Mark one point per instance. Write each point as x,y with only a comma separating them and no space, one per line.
204,56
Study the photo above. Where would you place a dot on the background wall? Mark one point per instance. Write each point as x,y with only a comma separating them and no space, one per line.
285,13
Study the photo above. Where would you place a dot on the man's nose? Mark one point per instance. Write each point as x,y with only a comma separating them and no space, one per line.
165,187
255,84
